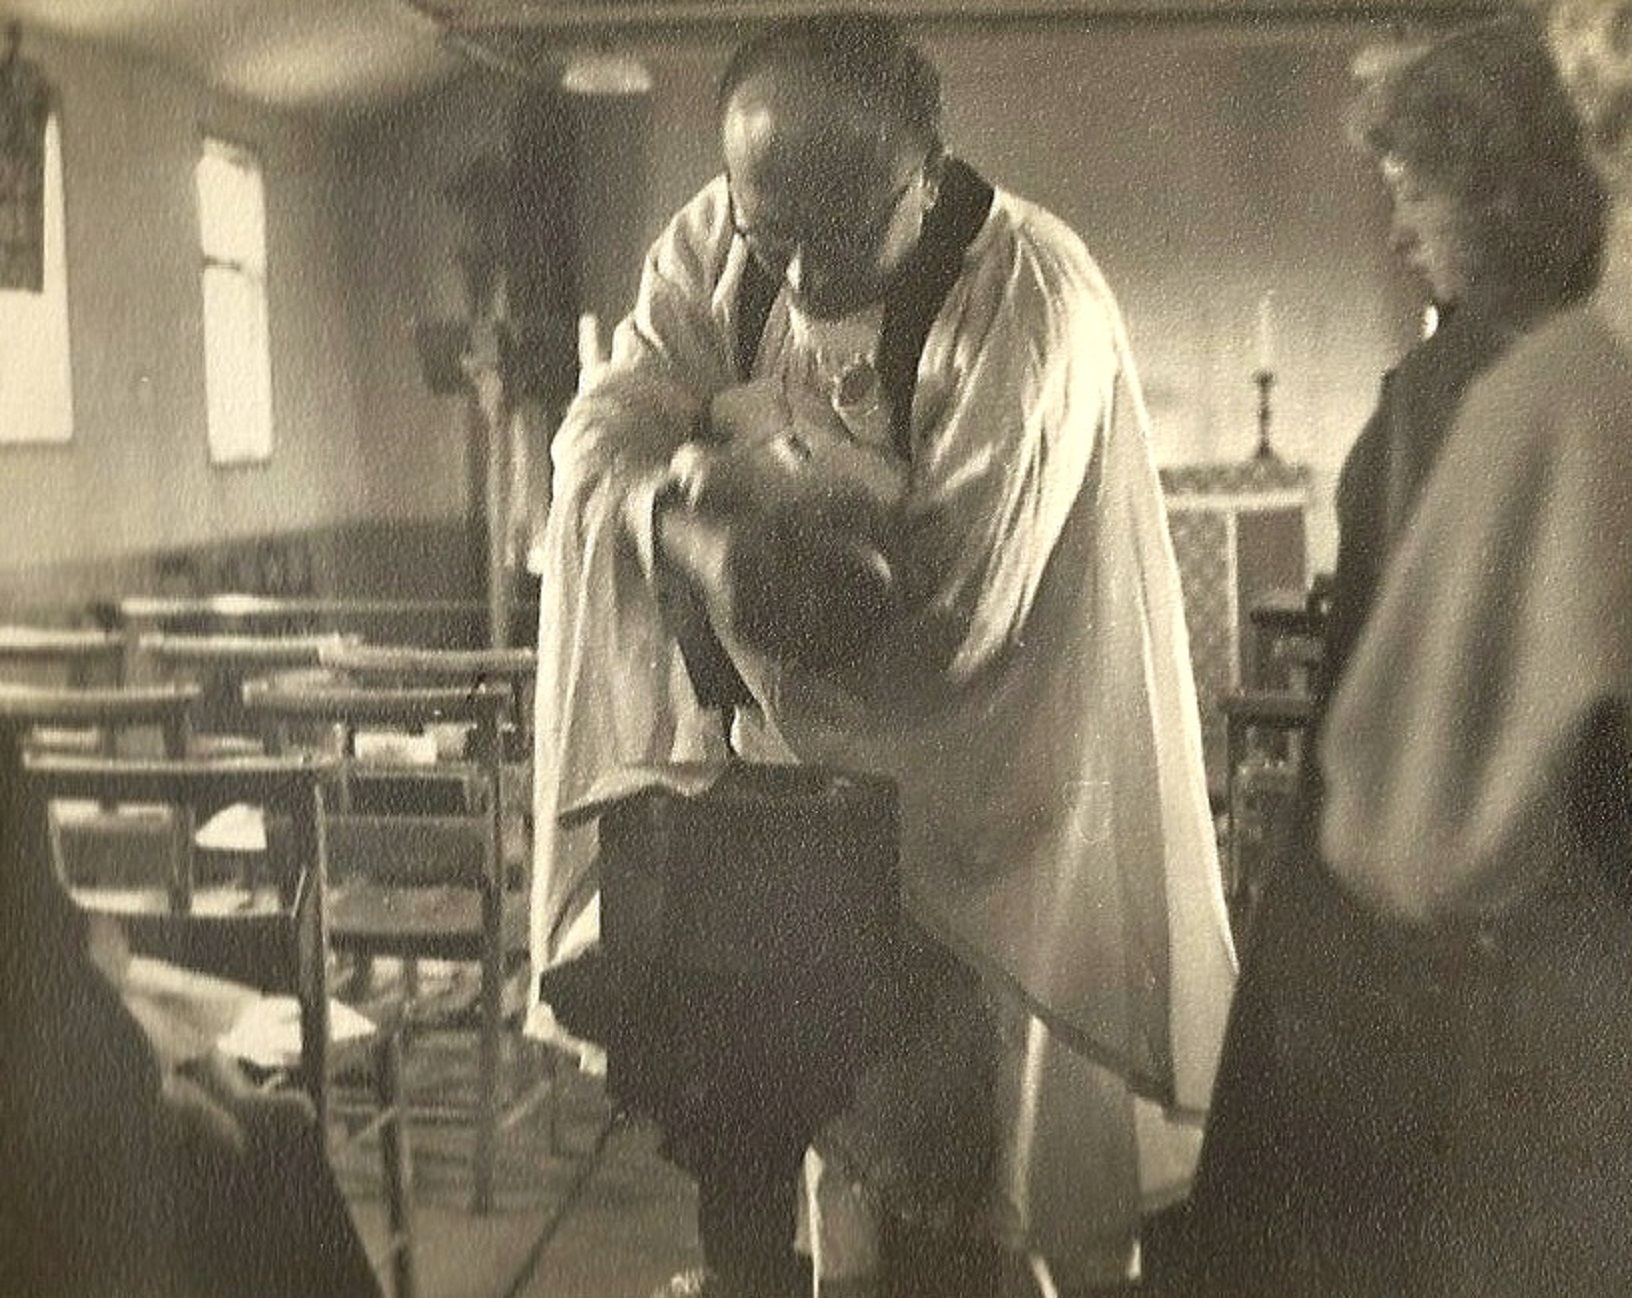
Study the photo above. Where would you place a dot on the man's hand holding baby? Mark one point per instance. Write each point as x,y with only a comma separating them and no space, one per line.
744,459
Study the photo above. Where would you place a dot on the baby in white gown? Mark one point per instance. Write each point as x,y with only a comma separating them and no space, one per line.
800,465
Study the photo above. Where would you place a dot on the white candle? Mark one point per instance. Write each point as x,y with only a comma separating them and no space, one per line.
591,351
1266,332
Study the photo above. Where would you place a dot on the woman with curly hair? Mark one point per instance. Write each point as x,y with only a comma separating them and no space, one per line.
1482,781
1330,1159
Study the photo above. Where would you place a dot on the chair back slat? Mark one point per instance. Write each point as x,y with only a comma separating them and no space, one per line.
357,705
26,642
444,620
410,662
109,705
411,851
77,655
203,784
237,652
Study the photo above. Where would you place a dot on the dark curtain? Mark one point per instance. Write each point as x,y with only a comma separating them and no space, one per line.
541,247
25,103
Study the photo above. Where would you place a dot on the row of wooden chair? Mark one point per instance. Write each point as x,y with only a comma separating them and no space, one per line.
265,945
108,642
1266,724
434,622
429,860
412,862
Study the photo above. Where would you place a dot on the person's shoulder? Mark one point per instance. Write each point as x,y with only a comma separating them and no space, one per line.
1035,232
1561,392
1578,330
698,234
1048,259
1574,358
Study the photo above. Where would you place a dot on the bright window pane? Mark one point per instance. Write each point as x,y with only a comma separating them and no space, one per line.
232,209
237,375
237,351
36,380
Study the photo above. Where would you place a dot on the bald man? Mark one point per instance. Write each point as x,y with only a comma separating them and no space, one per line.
869,466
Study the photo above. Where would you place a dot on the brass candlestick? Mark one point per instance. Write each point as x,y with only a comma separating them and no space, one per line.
1265,379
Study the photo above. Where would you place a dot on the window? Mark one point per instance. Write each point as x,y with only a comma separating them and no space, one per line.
36,382
237,351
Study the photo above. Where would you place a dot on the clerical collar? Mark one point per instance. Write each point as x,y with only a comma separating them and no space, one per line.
911,302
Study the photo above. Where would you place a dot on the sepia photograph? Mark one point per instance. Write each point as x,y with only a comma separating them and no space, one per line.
870,649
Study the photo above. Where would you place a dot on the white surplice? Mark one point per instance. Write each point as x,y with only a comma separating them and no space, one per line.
1055,824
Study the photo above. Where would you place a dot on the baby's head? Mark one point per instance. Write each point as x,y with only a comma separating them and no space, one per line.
811,590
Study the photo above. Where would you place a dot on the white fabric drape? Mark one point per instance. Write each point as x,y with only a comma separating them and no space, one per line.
1056,829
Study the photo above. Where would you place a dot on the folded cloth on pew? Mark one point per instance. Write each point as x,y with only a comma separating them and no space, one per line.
266,1034
185,1013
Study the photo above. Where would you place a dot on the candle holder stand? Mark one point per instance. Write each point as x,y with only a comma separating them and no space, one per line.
1265,380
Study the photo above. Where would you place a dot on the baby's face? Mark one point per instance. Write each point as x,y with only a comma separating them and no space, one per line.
798,453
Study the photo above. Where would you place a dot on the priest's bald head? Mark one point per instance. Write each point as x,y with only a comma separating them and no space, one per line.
831,130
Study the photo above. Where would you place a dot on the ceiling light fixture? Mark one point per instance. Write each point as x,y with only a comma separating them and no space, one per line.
606,74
